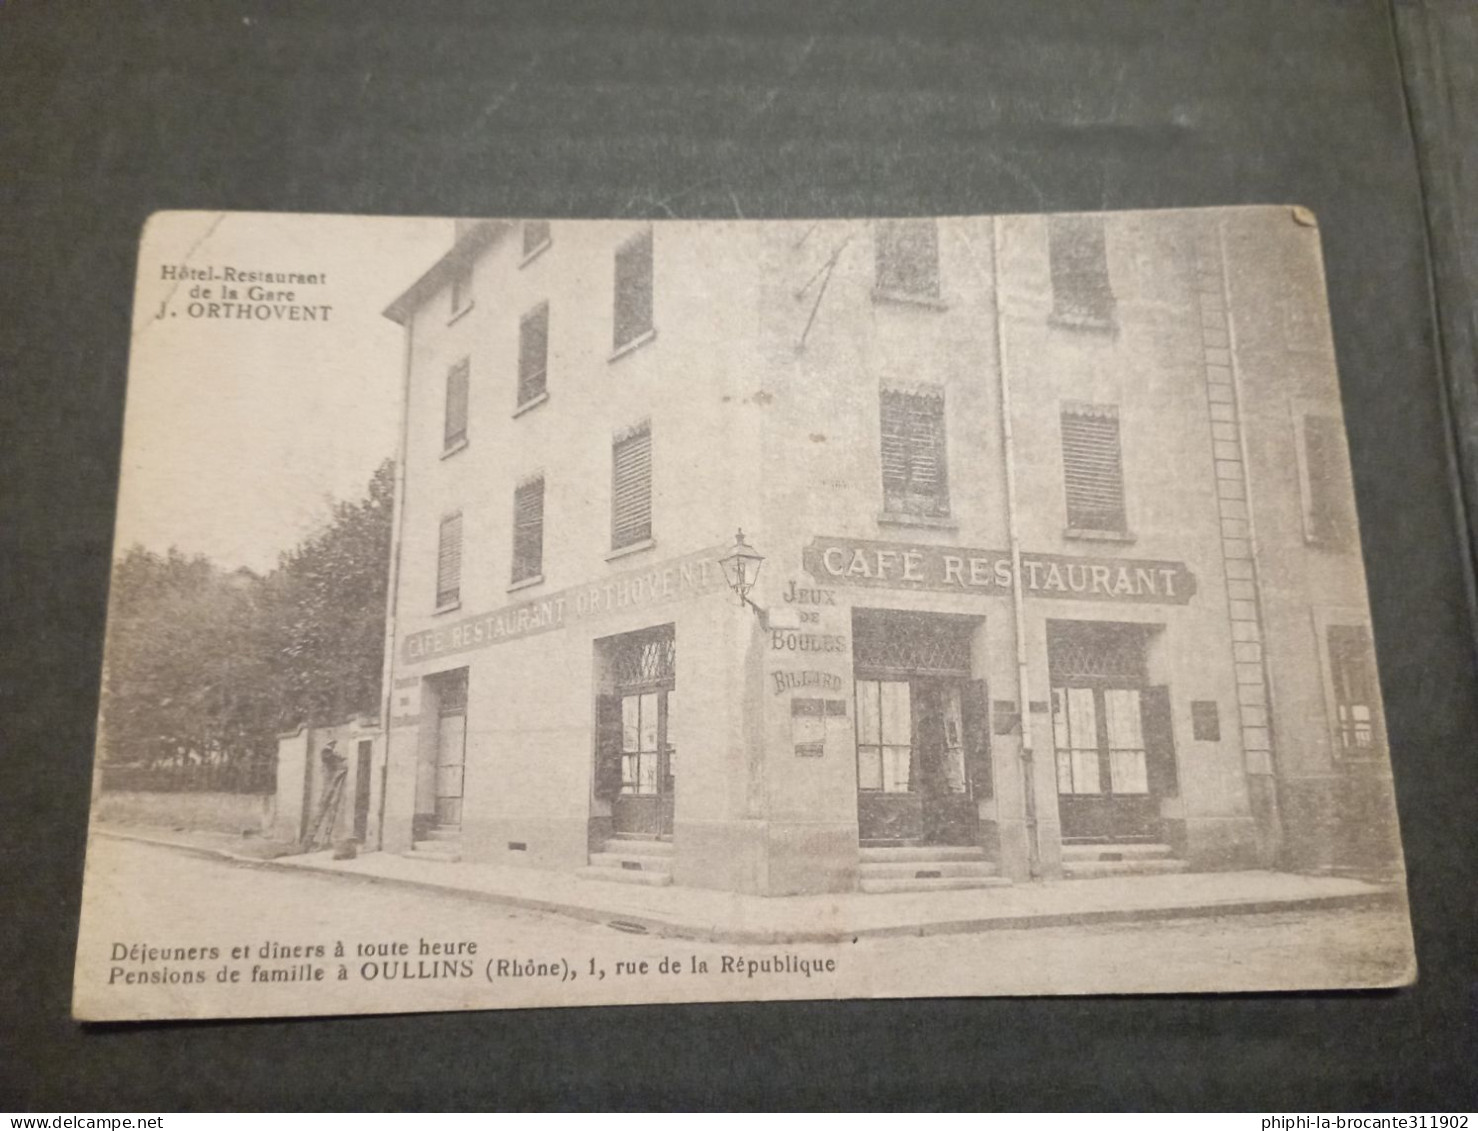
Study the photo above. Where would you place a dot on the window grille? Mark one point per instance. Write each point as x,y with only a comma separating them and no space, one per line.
457,379
1356,689
1081,293
915,473
907,253
528,529
449,562
533,353
631,510
1093,468
633,313
1084,651
646,659
1328,519
535,235
898,644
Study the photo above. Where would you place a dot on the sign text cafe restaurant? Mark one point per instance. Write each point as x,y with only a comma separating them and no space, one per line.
874,710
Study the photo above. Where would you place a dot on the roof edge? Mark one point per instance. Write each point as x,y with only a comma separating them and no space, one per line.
476,236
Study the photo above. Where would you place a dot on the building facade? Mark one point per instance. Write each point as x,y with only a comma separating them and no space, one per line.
1061,574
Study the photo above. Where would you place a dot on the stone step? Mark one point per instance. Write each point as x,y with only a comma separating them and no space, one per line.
625,876
1092,869
630,861
442,851
906,853
942,883
925,869
1121,851
642,846
444,832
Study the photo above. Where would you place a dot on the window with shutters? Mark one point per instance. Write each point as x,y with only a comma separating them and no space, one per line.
533,355
1093,470
1358,731
633,304
535,237
1328,501
1081,294
907,253
915,478
631,488
461,288
528,530
454,431
449,562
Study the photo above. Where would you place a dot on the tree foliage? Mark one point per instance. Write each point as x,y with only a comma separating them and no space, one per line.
206,666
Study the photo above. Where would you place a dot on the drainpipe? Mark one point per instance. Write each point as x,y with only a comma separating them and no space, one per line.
1018,607
397,518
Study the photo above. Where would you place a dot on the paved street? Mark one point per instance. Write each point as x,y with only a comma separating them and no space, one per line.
409,950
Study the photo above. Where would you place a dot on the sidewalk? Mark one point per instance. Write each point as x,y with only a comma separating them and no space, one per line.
727,917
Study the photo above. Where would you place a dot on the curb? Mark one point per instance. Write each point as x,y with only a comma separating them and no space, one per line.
639,923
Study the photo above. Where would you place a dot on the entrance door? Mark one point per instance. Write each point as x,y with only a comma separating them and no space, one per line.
451,751
918,751
1111,731
645,679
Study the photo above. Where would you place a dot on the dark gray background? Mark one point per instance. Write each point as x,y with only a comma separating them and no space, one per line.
693,108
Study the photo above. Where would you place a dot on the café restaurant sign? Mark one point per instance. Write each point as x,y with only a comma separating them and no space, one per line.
635,589
953,569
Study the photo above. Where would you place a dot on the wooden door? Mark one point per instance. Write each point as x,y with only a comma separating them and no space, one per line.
451,756
889,805
644,805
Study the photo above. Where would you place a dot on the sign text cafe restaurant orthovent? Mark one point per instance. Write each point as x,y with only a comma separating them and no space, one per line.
877,725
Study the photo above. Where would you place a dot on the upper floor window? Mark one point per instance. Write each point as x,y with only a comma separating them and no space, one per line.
631,487
454,429
1081,294
1328,502
528,529
461,288
915,478
1093,469
535,236
449,562
1356,689
633,307
533,354
907,254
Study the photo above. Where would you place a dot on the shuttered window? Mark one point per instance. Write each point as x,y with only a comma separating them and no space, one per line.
631,503
915,479
633,314
449,562
528,529
907,254
1081,293
535,235
1329,518
455,427
1093,468
533,353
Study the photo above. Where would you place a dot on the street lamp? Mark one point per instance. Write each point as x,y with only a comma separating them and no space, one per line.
742,569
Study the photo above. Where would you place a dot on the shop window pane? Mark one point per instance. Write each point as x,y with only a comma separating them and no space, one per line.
1085,771
896,761
1127,768
1064,772
649,721
897,718
869,767
630,722
868,727
1121,707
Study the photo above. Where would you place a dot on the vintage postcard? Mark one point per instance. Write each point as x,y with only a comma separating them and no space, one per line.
515,613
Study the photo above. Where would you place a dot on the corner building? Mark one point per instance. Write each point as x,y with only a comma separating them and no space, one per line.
1061,573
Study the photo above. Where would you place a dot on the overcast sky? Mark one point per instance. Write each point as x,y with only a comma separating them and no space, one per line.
239,434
